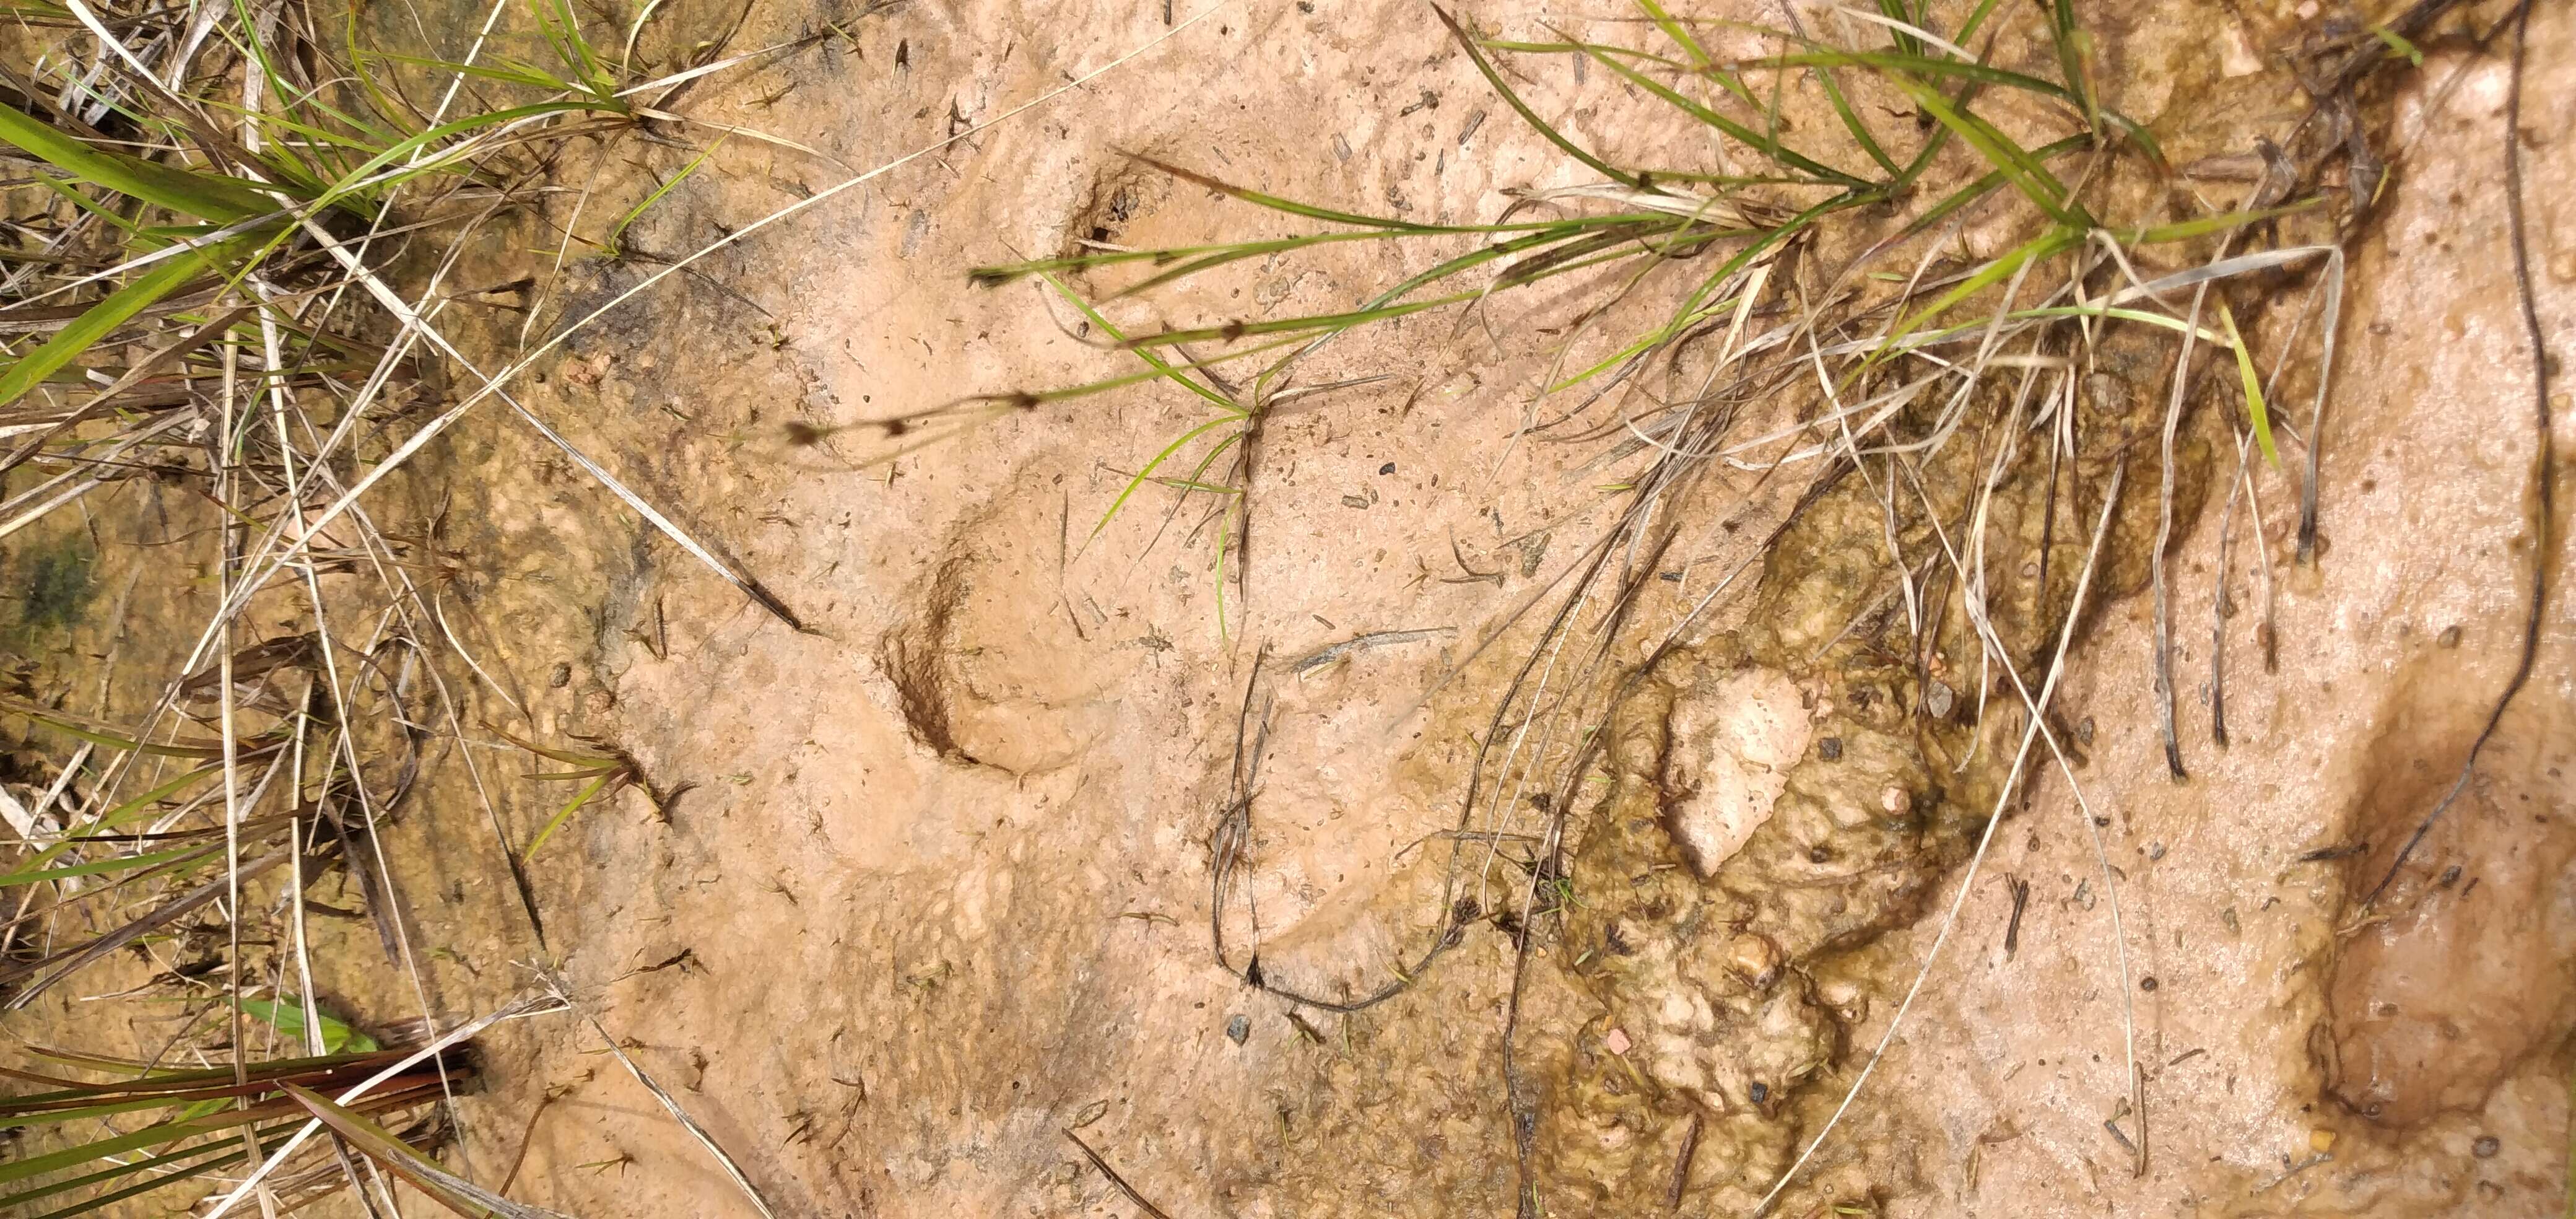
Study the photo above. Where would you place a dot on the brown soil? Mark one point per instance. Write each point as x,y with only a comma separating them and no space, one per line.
931,881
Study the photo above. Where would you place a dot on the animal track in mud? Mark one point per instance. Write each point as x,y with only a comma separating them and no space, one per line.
2486,908
977,668
1119,195
912,655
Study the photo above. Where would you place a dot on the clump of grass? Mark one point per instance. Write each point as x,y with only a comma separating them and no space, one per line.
175,1126
224,275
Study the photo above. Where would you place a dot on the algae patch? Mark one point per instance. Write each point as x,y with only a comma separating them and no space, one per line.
55,586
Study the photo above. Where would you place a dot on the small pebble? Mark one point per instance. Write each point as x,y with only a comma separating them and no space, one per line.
1617,1042
2449,638
1761,1092
1895,800
1388,468
2321,1140
1754,958
1939,699
1238,1028
2486,1147
1830,749
2147,983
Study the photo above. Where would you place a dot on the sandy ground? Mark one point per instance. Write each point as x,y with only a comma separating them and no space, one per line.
939,883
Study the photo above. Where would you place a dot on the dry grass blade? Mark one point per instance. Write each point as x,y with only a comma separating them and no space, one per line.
446,1188
715,1151
1111,1175
523,1008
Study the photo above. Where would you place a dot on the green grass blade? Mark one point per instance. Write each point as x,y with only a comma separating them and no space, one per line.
120,863
2054,241
90,1152
1513,99
1676,31
2398,46
224,1154
119,307
108,216
1746,135
2122,313
1249,249
1851,121
2185,230
207,196
288,1019
1985,185
2254,407
355,180
1942,66
1203,257
131,810
1299,325
2016,163
1290,206
1159,365
1905,40
1146,475
508,72
618,232
1067,393
1197,481
2071,42
565,814
563,27
1968,28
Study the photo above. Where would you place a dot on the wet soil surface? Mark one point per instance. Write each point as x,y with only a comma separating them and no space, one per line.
931,880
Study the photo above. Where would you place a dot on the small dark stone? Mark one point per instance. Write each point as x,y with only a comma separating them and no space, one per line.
1761,1092
2486,1147
561,677
1830,749
2147,983
1388,468
2449,638
1237,1029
